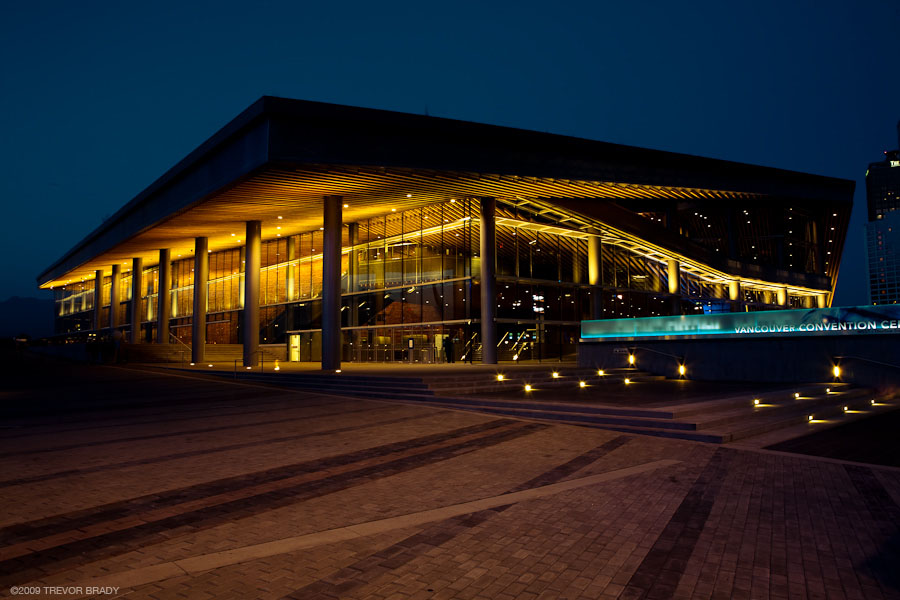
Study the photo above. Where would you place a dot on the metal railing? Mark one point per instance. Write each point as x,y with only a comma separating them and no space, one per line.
874,362
262,361
177,339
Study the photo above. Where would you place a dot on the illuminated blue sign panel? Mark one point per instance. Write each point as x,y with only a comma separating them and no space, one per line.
852,320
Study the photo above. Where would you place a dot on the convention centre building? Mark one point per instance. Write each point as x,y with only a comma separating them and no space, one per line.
335,233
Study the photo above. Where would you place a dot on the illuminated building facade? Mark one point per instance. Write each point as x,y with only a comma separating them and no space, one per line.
347,234
883,228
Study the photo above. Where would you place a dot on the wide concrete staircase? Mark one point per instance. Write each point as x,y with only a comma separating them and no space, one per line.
719,420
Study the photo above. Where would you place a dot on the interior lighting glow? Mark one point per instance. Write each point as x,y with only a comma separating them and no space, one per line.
279,216
249,368
337,371
192,364
209,365
527,387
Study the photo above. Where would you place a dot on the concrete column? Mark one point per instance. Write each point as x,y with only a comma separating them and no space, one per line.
674,276
674,270
767,296
163,297
331,283
595,275
292,255
488,252
114,284
822,299
98,297
252,256
198,320
809,301
353,275
137,283
734,294
782,296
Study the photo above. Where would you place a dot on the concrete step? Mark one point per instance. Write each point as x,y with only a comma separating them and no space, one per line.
806,403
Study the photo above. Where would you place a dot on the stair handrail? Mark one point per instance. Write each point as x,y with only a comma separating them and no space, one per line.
180,341
680,359
262,361
876,362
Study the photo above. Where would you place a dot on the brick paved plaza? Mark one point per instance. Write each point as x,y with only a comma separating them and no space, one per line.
177,486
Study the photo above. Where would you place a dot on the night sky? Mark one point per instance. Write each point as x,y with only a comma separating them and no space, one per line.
99,99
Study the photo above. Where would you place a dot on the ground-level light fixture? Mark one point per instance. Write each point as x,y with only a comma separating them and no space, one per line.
627,381
827,390
846,408
681,370
555,375
582,384
810,418
631,359
500,377
756,402
527,387
836,371
601,373
796,394
872,402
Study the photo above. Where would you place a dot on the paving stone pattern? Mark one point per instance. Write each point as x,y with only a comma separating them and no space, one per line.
108,492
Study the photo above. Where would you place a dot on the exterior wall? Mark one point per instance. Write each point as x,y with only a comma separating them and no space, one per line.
783,360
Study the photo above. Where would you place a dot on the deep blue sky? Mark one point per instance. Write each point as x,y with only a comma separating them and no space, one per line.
99,99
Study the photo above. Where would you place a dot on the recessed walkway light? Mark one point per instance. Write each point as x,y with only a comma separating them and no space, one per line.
527,387
555,375
500,377
582,384
627,381
601,372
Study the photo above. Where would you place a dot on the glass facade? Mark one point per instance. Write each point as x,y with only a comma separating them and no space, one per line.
410,288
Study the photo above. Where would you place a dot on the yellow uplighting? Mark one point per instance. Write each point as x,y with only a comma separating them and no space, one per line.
277,368
681,370
836,371
631,359
499,377
337,370
527,387
582,384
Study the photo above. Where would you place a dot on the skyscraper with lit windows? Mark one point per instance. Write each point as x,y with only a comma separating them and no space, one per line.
883,228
